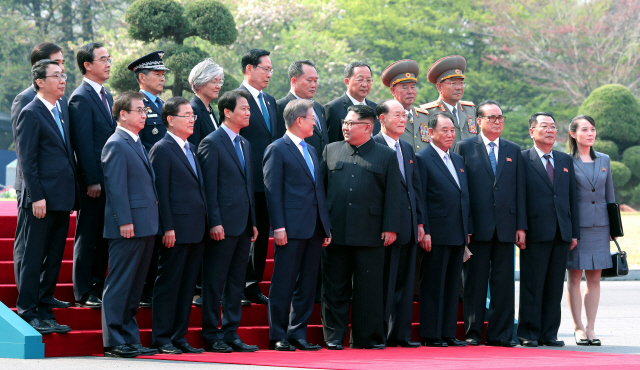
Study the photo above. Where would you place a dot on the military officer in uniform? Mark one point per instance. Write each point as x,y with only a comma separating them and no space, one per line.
401,78
448,76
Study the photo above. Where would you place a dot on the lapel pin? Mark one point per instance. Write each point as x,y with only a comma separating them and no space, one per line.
461,170
566,170
604,169
509,159
410,160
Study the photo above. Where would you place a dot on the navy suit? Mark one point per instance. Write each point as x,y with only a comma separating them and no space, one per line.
320,137
447,218
203,125
297,202
231,204
498,209
130,198
91,124
153,121
400,258
260,137
48,170
553,220
182,209
337,110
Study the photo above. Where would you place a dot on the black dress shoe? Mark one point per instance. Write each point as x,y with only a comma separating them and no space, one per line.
60,304
259,299
218,346
453,342
403,343
580,341
144,351
528,343
595,342
186,348
472,342
41,327
168,349
145,301
90,301
375,346
239,346
123,351
245,301
552,343
303,345
57,327
281,345
334,345
501,343
434,342
197,302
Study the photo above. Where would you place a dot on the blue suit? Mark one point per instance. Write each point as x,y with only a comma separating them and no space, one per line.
130,198
297,203
48,170
91,124
153,122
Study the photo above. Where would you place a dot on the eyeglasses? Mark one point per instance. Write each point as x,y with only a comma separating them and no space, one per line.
141,111
217,82
189,116
61,76
105,60
268,70
547,128
367,81
348,124
495,118
456,84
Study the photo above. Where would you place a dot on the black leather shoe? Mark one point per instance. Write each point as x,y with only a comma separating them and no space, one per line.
403,343
434,342
168,349
453,342
334,345
259,299
245,301
186,348
281,345
239,346
552,343
528,343
90,301
197,302
60,304
375,346
57,327
501,343
218,346
145,301
123,351
144,351
595,342
472,342
41,327
303,345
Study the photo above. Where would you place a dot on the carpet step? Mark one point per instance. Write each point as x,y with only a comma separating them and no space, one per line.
8,226
6,249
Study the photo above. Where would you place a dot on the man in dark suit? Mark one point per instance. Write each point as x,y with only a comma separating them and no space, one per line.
48,194
357,77
301,227
498,209
364,195
44,50
554,229
262,131
447,226
91,124
183,215
225,157
131,225
400,258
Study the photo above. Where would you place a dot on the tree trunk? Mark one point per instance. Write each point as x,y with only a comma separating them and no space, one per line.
86,20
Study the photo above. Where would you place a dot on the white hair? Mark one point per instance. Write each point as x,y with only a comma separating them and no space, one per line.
204,72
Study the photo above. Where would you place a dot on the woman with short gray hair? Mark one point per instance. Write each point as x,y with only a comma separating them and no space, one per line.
206,80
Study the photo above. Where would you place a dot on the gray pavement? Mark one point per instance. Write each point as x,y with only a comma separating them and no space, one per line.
617,325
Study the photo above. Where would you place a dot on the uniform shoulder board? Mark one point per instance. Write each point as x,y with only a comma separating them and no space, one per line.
467,103
433,104
423,111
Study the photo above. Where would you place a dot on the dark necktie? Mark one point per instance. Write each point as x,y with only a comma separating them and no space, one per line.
492,156
236,144
192,162
265,112
549,167
142,151
455,117
159,103
103,95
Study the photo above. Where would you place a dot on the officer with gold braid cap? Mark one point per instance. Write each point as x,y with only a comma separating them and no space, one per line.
448,76
401,78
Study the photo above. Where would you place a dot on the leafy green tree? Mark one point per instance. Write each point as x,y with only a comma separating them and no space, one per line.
620,174
607,147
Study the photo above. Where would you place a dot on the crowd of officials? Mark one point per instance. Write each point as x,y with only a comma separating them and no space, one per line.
371,207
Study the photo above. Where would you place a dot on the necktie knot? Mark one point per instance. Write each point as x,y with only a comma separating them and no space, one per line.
303,144
546,156
492,144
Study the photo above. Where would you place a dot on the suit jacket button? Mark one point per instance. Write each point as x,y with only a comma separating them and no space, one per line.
353,175
350,189
593,190
247,202
349,203
156,202
593,202
409,207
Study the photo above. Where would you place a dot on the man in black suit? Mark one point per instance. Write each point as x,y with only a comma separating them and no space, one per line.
364,195
262,131
183,216
447,226
91,124
44,50
48,194
357,77
554,229
225,157
498,209
131,224
400,258
301,227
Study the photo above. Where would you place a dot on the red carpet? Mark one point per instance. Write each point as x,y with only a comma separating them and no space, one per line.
422,358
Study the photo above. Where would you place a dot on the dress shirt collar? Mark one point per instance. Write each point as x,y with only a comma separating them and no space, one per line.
296,140
96,86
133,136
150,96
294,94
440,152
231,134
487,141
450,107
177,139
252,90
46,103
389,140
541,153
355,102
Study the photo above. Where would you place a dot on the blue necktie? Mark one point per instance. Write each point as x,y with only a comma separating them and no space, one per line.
236,144
159,103
492,157
190,158
56,116
307,159
400,161
142,151
265,112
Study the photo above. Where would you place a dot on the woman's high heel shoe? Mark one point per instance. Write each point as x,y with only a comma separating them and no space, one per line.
580,341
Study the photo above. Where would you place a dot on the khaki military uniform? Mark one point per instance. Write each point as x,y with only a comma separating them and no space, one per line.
416,132
467,127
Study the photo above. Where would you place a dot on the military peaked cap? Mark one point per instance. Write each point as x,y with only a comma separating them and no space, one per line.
452,66
402,71
151,61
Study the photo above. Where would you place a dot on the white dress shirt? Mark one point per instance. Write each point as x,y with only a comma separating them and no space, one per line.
488,147
392,143
232,136
296,140
97,87
544,160
50,107
133,136
179,141
450,107
448,163
254,92
354,101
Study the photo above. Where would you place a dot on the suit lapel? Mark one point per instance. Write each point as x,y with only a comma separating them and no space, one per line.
136,149
176,149
226,141
597,170
319,115
481,151
537,165
255,110
557,169
580,167
49,117
406,158
98,100
440,163
502,158
293,148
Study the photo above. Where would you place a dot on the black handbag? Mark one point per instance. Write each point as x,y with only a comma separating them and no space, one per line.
615,221
620,266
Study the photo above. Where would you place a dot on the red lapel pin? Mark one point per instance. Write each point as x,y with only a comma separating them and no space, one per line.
566,170
410,160
461,170
604,169
509,159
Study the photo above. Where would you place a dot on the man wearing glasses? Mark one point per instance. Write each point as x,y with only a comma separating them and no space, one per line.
91,124
496,173
448,76
357,77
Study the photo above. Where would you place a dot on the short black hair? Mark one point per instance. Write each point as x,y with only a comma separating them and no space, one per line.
85,54
229,100
295,69
123,102
252,57
348,70
534,118
172,107
433,119
43,51
480,111
39,71
363,111
383,107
